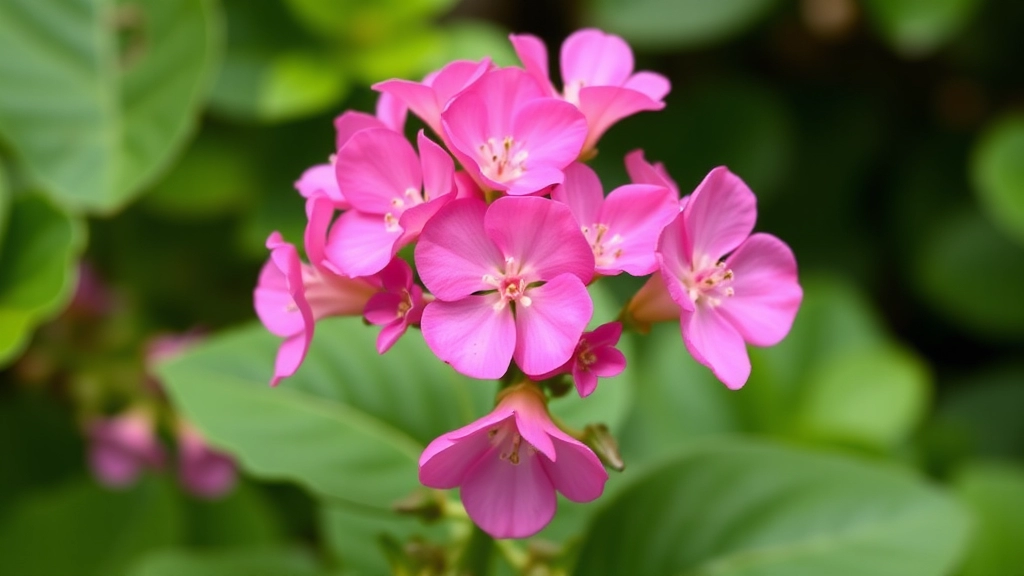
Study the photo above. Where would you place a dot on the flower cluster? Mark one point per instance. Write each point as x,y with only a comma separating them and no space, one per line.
509,227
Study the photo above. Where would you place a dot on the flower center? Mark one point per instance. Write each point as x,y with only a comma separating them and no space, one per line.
606,249
399,204
511,285
509,441
502,161
710,284
585,357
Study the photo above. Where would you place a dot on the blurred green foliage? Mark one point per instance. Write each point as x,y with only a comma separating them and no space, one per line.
884,139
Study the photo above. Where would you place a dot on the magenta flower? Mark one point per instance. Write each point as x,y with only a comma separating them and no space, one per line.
290,296
595,357
510,135
202,470
623,228
397,306
393,192
751,295
429,98
121,447
597,77
509,282
509,464
643,172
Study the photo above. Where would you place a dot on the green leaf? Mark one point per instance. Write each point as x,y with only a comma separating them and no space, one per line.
350,424
83,529
995,494
738,508
965,245
979,416
668,24
229,562
243,517
92,121
354,536
5,206
364,21
873,397
917,27
997,171
38,259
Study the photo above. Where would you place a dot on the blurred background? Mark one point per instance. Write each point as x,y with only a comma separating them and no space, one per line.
148,147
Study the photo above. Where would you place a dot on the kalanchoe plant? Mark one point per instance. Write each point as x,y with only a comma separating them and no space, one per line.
509,227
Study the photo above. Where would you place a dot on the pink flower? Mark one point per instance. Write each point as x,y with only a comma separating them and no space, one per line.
121,447
509,279
203,471
393,192
397,306
623,228
291,296
429,98
751,295
643,172
595,356
510,135
597,77
510,463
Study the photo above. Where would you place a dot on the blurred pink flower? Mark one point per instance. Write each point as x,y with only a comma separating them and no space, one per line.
121,447
597,77
202,470
731,287
510,463
509,281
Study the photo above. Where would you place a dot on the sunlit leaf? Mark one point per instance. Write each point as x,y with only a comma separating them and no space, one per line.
94,121
994,493
229,562
998,174
917,27
666,24
732,508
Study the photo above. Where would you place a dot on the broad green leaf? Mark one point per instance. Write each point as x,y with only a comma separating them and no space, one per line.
81,528
5,205
979,416
733,508
964,246
95,122
666,24
997,170
364,21
350,424
355,537
872,397
229,562
995,494
37,258
917,27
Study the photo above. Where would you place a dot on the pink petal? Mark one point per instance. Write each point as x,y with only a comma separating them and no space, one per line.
603,106
319,214
675,261
444,463
414,219
114,467
550,327
719,216
532,419
654,86
466,187
534,56
610,362
465,126
581,192
542,236
392,112
359,244
551,130
320,180
607,334
713,342
375,167
203,471
471,335
653,303
390,334
273,302
454,252
351,122
532,182
437,167
290,355
638,212
642,172
456,77
584,380
419,98
767,295
397,275
509,500
577,472
596,59
382,308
